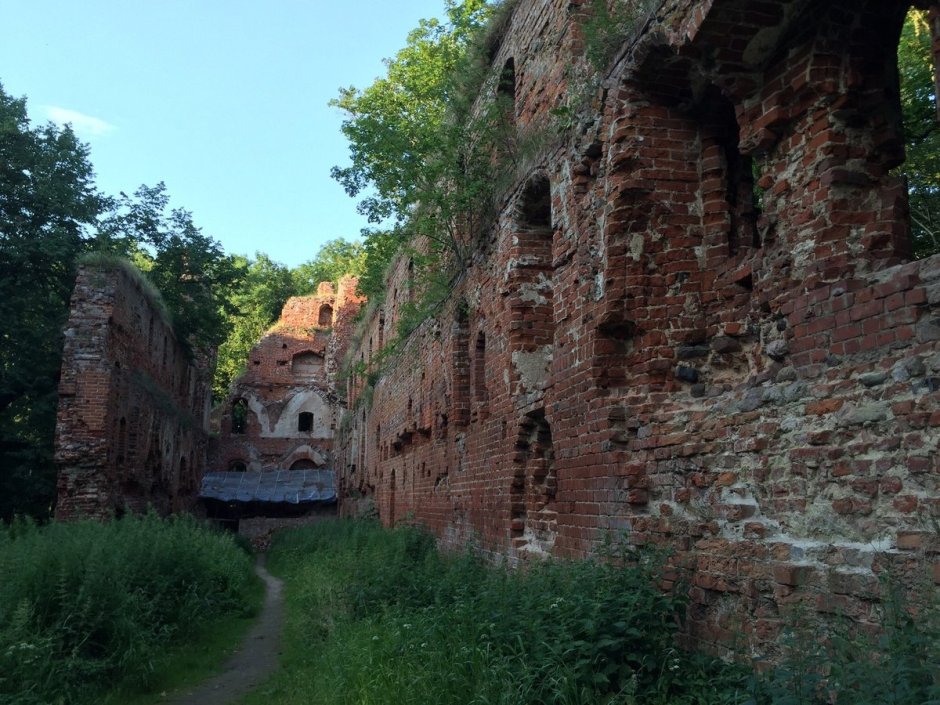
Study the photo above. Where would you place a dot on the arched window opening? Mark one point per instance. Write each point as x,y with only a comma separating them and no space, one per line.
479,369
506,88
238,466
741,193
239,416
534,271
305,422
461,363
917,71
535,206
326,315
303,464
121,442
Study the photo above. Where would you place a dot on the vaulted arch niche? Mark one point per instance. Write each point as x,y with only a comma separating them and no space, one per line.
306,364
532,296
533,516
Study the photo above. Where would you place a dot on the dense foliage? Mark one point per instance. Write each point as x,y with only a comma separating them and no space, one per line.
921,132
421,157
85,606
334,260
379,616
195,278
48,205
395,125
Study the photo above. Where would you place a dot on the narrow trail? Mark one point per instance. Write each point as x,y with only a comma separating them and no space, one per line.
254,660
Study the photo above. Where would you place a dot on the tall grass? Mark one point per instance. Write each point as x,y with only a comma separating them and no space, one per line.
379,616
86,606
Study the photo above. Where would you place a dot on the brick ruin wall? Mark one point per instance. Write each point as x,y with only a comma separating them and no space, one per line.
290,373
639,347
131,430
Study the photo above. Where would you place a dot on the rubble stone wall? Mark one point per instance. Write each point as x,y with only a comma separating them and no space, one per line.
694,322
131,429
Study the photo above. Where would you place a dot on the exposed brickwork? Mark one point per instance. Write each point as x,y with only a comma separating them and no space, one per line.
290,411
641,347
132,422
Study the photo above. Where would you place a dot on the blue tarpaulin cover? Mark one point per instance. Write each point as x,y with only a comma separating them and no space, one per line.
290,486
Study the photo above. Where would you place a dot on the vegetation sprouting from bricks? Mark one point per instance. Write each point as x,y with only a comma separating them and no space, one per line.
433,158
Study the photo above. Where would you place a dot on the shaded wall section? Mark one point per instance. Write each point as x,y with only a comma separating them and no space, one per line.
282,413
132,423
693,323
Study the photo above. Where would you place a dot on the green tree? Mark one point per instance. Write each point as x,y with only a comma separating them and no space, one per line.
48,205
193,274
378,250
426,154
394,126
335,259
921,133
257,302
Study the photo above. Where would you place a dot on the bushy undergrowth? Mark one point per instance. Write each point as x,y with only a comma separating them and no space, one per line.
841,663
84,606
379,616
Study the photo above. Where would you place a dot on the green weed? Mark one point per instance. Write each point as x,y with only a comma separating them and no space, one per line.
378,616
86,606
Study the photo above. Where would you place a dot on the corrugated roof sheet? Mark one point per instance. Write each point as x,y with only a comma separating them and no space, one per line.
290,486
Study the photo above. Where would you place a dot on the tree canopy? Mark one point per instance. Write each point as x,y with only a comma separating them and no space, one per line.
195,277
921,132
426,157
394,125
335,259
48,206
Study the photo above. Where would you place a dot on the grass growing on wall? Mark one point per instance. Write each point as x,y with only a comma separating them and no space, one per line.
87,607
376,616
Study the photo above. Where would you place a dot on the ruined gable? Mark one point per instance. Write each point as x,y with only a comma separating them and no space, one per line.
282,413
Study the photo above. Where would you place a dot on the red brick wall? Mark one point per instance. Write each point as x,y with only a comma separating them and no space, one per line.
752,385
133,410
291,371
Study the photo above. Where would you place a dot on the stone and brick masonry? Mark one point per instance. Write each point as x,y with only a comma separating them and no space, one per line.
282,413
643,346
132,422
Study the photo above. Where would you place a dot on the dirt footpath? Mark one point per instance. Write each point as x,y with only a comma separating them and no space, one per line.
254,660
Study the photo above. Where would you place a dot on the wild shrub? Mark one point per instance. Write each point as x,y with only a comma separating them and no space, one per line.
839,662
86,605
377,616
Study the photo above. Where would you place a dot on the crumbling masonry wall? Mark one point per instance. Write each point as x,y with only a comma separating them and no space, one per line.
282,413
131,429
646,343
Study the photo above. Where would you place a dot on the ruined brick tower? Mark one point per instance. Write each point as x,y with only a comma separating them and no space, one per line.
282,413
133,414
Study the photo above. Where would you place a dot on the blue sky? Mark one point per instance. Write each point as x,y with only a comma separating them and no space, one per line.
223,100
